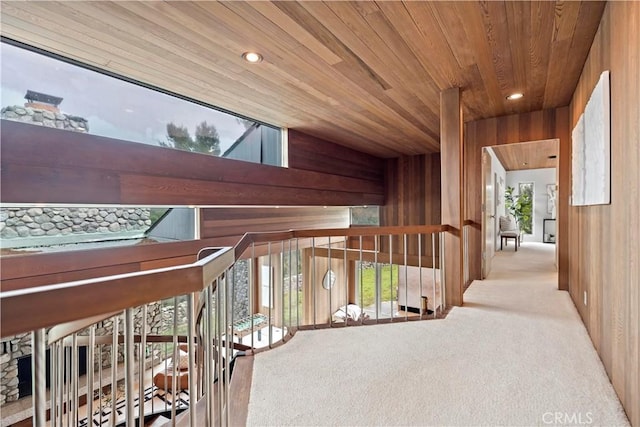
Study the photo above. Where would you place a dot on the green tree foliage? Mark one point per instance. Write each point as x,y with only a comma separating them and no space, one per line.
520,206
206,139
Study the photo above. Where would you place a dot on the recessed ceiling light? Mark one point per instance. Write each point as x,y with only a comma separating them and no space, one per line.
252,57
515,96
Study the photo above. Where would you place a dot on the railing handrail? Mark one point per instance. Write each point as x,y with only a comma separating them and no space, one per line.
265,237
61,303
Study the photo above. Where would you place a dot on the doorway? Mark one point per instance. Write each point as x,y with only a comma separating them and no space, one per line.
504,168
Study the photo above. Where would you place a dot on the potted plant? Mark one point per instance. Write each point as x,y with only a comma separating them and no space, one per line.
520,206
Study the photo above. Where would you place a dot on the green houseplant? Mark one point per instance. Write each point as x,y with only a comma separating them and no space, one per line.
520,206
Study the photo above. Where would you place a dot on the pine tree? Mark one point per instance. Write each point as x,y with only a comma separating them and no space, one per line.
206,140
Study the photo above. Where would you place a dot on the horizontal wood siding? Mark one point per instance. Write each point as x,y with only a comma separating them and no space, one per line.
604,248
230,224
43,165
535,126
310,153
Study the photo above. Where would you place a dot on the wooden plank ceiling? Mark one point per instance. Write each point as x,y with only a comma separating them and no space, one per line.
366,75
528,155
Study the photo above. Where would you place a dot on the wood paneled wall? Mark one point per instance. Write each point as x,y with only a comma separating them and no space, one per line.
43,165
538,125
314,154
227,225
319,303
413,191
604,241
413,196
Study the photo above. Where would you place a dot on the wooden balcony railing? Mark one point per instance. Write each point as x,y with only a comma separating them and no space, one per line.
164,342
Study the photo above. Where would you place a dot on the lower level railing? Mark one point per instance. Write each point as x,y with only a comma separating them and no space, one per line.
162,344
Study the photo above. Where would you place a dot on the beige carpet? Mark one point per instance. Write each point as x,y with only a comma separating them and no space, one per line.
515,354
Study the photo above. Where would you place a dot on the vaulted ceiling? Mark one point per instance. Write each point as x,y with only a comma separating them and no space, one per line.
363,74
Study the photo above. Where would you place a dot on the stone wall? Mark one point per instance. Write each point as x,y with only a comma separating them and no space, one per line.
41,117
23,222
16,347
241,289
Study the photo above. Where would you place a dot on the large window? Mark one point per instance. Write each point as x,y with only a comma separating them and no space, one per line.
44,91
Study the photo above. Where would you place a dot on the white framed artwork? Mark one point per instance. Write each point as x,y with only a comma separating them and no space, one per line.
577,163
551,200
591,149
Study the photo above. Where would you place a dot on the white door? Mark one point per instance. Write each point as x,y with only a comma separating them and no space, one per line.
488,214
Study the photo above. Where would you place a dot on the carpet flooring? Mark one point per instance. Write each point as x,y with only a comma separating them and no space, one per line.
516,354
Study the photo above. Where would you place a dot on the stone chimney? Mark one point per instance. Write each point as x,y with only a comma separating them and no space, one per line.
42,101
43,110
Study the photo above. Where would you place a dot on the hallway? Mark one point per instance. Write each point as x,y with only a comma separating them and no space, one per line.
515,354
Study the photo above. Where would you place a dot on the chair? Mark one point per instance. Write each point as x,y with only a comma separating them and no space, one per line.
509,230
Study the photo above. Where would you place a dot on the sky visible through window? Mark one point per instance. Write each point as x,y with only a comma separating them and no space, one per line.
113,108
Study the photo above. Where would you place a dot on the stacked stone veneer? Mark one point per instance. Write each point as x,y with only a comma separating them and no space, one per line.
241,289
25,222
41,117
158,320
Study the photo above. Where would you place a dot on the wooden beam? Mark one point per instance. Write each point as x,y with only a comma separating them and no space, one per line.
451,191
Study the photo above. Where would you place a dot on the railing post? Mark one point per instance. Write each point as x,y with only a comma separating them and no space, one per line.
252,293
129,365
141,360
360,282
175,360
90,372
39,385
209,354
433,270
192,358
54,383
74,378
377,277
297,283
330,271
313,279
406,280
391,316
420,270
114,371
345,266
443,274
271,296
